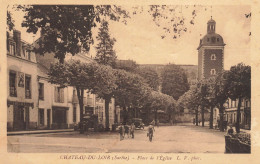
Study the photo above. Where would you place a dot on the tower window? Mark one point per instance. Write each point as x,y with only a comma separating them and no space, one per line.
217,39
213,57
213,72
207,39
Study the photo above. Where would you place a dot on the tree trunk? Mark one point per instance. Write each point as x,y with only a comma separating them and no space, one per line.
202,115
211,117
124,115
80,94
238,116
196,116
155,116
221,118
107,101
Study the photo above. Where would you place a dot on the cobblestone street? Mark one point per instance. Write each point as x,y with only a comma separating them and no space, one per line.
167,139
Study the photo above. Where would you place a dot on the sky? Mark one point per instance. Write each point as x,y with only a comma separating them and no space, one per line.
140,40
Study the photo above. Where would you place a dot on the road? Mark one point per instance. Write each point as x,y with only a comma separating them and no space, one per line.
167,139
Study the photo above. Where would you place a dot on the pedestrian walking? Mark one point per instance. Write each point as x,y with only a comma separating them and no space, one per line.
150,132
132,130
121,131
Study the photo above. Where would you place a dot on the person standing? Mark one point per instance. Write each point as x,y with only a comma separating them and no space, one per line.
132,130
121,131
150,132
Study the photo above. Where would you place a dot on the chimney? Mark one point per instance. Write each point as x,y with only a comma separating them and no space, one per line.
17,40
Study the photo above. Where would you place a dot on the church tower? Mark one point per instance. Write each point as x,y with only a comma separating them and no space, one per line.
210,53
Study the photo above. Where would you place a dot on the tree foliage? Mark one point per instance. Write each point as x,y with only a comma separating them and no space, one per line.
239,79
174,81
150,76
105,53
171,18
66,28
95,78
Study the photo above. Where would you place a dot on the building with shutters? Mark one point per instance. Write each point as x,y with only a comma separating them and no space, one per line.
33,102
22,98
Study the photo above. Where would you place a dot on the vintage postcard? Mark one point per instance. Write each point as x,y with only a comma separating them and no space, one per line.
129,82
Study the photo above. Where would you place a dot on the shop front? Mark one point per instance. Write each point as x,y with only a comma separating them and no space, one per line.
59,117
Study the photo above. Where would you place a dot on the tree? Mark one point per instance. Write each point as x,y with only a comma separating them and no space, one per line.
130,92
220,94
159,101
203,93
105,53
66,28
150,76
174,81
127,65
239,78
190,100
82,76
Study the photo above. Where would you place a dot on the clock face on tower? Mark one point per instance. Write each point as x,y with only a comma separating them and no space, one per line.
210,53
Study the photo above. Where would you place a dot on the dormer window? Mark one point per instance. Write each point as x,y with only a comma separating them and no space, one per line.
217,39
213,57
11,48
212,72
27,54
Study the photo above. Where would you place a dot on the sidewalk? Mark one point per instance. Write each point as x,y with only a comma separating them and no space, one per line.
38,131
206,125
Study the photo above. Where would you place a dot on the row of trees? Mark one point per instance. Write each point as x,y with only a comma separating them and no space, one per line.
129,89
214,92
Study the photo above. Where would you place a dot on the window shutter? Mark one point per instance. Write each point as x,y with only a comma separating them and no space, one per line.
55,94
62,94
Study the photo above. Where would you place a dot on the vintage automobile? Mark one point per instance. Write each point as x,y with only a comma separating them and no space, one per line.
88,122
138,123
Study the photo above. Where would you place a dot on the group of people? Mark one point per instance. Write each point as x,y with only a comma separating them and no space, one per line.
130,129
126,130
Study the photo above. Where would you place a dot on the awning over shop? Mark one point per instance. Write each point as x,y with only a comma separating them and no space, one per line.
17,103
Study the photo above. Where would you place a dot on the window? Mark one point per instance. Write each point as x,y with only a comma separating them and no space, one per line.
207,39
213,72
217,39
213,39
41,91
28,87
12,48
59,94
41,117
28,54
213,57
12,84
74,113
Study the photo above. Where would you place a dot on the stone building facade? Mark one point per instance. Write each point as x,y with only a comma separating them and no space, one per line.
33,102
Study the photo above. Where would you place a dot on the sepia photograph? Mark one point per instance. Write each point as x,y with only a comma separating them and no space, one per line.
119,79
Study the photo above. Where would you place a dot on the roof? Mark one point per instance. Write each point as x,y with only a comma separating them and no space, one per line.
211,39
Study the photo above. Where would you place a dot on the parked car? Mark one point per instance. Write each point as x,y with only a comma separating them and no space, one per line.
88,122
138,123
